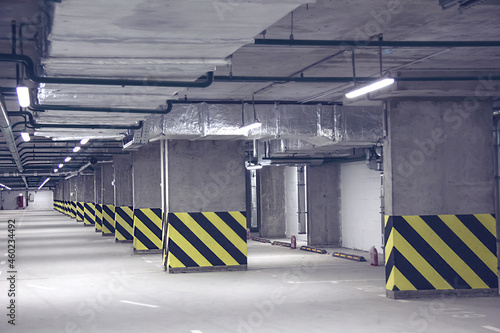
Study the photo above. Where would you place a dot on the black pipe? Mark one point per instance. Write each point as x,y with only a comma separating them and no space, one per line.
30,73
34,124
375,43
258,102
43,107
299,79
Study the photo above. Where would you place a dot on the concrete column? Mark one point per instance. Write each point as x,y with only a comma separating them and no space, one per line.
97,185
122,165
440,234
272,202
124,210
323,197
108,200
146,177
147,199
206,206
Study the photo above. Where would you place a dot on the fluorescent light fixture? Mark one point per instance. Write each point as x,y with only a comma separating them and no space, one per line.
25,136
251,126
60,165
77,149
44,182
23,96
67,159
5,187
254,166
56,170
369,88
84,141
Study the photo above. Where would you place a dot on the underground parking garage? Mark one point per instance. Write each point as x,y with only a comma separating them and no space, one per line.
249,166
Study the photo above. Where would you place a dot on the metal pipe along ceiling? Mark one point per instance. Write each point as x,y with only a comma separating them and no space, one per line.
34,124
43,107
374,43
30,73
8,135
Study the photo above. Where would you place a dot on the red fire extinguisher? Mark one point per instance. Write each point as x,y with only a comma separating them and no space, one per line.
374,256
293,242
248,233
20,201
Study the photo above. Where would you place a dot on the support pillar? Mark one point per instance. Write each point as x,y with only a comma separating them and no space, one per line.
108,200
147,199
323,198
73,197
98,197
272,202
124,210
206,202
440,232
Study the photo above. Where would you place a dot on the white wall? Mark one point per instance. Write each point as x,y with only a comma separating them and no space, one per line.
42,200
360,207
9,199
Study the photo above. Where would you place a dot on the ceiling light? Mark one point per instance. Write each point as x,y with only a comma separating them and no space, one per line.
5,186
254,167
251,126
44,182
371,87
84,141
67,159
23,96
25,136
77,149
56,170
60,165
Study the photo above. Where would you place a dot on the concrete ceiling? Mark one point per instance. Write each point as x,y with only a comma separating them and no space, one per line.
182,40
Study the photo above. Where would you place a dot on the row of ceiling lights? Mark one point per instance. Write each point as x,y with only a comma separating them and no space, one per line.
23,96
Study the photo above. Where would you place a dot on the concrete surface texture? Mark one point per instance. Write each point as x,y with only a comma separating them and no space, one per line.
146,173
206,176
71,280
273,201
97,185
107,191
439,157
122,165
324,204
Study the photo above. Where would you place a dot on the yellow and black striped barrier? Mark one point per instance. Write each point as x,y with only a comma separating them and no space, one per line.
108,220
262,240
98,218
285,244
348,256
206,241
73,209
313,249
124,223
88,214
448,254
79,211
148,232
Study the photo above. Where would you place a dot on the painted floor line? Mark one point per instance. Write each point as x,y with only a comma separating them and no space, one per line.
491,328
140,304
196,331
40,287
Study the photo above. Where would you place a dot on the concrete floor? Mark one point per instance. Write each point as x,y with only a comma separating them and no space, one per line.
71,279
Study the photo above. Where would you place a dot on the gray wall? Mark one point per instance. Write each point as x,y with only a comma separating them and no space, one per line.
73,189
122,165
323,195
272,202
107,191
206,176
146,173
439,158
66,190
9,199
